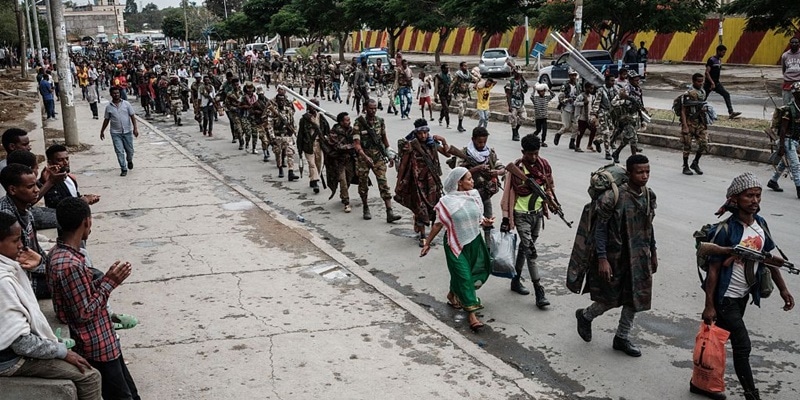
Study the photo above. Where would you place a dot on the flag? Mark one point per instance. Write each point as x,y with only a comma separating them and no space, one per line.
298,105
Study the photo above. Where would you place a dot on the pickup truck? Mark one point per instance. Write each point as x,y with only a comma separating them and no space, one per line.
558,71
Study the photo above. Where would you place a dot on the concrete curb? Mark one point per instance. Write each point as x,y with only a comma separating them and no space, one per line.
496,365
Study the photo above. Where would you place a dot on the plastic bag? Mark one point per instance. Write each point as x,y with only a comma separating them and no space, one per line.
502,252
709,358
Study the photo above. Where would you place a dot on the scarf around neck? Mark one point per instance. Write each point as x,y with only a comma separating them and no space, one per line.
478,155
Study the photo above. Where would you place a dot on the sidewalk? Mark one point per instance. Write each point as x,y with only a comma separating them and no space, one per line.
236,301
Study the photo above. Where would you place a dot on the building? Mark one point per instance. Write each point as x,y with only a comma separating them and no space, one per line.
101,17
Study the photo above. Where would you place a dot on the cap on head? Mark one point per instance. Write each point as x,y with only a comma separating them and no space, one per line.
741,183
540,87
197,75
573,72
633,74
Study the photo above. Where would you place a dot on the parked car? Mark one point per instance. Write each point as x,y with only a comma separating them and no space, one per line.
290,52
558,71
496,61
372,55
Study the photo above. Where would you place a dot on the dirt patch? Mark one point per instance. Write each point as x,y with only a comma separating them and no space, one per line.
741,123
15,108
50,134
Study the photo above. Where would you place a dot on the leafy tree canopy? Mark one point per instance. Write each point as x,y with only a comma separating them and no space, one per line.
762,15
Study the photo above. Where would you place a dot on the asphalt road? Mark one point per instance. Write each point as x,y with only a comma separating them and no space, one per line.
545,344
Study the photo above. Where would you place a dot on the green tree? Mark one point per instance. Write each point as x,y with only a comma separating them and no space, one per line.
237,26
218,7
442,17
390,15
490,17
8,24
617,20
762,15
130,8
173,24
261,12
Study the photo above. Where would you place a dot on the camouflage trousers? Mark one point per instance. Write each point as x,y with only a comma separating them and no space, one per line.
249,130
516,116
175,107
284,149
605,127
627,132
698,133
460,99
236,124
261,130
198,110
378,168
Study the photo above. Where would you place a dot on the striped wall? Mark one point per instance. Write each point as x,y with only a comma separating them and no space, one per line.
758,48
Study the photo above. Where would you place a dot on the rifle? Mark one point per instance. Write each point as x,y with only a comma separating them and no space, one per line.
708,249
551,203
428,163
374,136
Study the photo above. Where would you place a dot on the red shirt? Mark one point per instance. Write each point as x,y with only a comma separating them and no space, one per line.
81,303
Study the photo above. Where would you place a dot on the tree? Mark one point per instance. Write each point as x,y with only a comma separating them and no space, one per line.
617,20
390,15
8,23
261,12
763,15
491,17
173,23
130,8
237,26
218,7
442,18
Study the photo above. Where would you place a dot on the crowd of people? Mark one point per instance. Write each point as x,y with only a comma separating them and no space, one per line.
348,149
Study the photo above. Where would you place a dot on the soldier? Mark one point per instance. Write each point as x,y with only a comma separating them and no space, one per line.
630,107
318,74
372,149
566,100
349,74
175,104
583,105
601,110
389,87
459,88
280,127
486,169
378,79
258,112
246,102
339,158
312,128
232,98
195,96
206,94
361,87
441,94
694,123
515,99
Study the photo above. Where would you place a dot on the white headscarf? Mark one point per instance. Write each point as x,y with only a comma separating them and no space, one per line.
460,212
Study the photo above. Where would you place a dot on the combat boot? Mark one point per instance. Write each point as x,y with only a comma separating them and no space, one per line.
572,144
266,155
280,172
315,186
391,216
798,192
518,287
461,125
366,214
608,155
686,170
541,300
246,144
241,144
752,395
292,177
515,134
179,121
696,168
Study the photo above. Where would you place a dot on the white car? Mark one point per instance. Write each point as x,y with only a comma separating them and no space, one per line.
496,61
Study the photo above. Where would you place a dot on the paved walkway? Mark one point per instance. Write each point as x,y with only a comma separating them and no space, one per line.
236,301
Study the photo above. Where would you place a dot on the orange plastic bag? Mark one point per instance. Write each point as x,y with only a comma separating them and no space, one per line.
709,358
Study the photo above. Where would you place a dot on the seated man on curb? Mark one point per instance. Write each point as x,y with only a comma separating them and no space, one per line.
81,302
19,181
17,139
58,162
28,346
43,218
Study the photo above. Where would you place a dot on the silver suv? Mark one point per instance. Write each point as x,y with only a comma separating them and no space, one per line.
495,61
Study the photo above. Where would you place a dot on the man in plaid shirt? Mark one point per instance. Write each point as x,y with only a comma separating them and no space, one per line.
19,181
81,302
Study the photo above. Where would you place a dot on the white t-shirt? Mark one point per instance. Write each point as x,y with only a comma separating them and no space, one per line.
73,190
752,238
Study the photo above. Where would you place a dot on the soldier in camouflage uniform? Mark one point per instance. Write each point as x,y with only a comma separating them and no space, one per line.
195,97
259,113
246,102
459,89
339,159
601,110
232,97
694,124
372,150
280,127
628,106
175,103
621,274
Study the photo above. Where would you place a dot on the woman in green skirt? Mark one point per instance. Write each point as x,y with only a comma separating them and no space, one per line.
460,212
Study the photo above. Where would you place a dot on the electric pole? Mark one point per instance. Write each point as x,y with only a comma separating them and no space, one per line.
23,50
33,12
64,75
51,53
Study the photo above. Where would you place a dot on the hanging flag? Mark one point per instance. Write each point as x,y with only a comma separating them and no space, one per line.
298,105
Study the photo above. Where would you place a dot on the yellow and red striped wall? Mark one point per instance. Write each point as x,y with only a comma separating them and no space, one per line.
757,48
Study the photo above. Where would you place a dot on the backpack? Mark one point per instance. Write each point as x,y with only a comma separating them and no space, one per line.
677,105
609,177
707,234
777,118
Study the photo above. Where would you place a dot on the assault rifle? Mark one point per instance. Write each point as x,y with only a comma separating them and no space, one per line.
551,202
708,249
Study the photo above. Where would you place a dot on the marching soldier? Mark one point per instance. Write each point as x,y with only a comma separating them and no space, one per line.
694,124
175,103
246,102
629,106
232,97
460,91
280,127
195,96
259,112
601,109
312,128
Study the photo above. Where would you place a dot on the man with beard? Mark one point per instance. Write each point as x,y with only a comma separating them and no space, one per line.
419,185
312,128
280,127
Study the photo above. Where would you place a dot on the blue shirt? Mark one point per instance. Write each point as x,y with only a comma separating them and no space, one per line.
46,89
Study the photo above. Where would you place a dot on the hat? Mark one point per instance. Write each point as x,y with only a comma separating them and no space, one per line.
197,75
795,87
540,86
573,72
633,74
741,183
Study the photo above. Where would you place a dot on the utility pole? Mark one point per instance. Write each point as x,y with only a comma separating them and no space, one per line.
34,13
31,44
64,75
50,33
185,3
23,51
577,38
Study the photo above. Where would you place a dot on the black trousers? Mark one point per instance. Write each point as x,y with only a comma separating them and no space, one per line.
721,91
541,126
117,381
730,313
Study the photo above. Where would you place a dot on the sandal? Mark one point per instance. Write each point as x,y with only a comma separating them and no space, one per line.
476,326
123,321
453,302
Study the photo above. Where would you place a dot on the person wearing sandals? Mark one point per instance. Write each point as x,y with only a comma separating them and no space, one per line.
81,302
460,212
28,346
